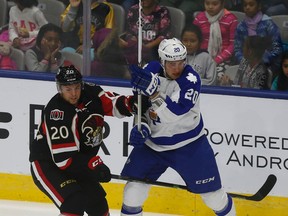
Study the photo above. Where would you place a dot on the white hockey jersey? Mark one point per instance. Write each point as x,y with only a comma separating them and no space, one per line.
175,119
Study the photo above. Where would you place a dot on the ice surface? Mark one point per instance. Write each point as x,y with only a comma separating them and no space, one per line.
23,208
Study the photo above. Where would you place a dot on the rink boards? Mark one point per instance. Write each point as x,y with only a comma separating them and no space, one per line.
247,132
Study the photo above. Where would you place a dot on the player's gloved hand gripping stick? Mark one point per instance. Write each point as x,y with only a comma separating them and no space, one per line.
89,166
138,138
146,83
144,80
100,170
133,103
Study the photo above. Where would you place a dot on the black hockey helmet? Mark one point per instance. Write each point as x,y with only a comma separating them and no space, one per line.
68,75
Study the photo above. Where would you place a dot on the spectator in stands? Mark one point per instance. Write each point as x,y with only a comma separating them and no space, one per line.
25,20
280,83
45,56
72,22
199,59
257,23
218,29
109,59
156,25
187,6
252,72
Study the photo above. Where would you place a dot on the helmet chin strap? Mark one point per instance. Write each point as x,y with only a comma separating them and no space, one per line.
58,88
164,70
166,75
185,62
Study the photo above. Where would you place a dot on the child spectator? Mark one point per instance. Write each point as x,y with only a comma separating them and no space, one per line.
72,22
280,83
218,29
45,56
156,26
25,20
257,23
252,72
199,59
109,59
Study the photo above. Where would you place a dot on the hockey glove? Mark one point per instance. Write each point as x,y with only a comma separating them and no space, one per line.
144,80
128,105
100,170
145,103
138,138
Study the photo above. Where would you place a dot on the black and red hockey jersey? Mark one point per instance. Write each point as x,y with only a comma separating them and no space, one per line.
68,133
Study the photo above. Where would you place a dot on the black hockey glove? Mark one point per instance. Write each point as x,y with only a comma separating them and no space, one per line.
127,105
100,170
145,103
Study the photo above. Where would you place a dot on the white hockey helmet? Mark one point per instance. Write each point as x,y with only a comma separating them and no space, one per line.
171,50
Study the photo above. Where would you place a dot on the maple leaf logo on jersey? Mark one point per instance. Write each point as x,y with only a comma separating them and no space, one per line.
192,78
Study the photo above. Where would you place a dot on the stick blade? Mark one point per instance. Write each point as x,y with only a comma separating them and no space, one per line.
266,188
262,192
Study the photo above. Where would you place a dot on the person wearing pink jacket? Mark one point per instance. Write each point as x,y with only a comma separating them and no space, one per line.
218,27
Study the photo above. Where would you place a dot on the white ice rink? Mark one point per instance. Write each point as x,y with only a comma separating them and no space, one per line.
21,208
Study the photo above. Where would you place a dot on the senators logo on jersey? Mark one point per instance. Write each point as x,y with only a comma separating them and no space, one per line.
56,115
92,129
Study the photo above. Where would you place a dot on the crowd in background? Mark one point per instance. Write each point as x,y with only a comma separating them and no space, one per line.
214,36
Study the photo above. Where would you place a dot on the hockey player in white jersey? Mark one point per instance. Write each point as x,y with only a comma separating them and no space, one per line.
172,134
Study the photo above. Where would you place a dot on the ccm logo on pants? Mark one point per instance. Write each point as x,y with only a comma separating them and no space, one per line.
205,181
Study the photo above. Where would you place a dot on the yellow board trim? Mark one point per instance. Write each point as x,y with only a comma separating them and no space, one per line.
161,200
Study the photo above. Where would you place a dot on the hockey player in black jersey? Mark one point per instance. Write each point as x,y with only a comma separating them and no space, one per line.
64,161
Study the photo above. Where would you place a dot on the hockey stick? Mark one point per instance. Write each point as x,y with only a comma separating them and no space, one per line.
139,108
262,192
258,196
